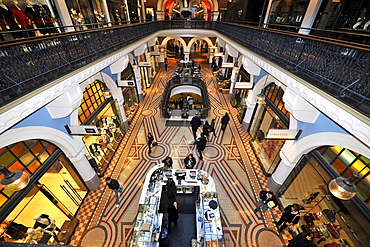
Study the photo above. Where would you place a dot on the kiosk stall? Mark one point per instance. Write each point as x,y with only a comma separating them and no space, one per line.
148,225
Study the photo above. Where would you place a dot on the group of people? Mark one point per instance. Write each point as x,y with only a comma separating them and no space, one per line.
289,218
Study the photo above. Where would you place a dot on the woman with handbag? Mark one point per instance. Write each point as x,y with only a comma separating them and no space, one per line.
189,161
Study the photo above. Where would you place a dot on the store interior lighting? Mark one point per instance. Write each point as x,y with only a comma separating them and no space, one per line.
14,180
344,188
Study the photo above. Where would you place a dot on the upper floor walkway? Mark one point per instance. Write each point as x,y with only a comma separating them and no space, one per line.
338,70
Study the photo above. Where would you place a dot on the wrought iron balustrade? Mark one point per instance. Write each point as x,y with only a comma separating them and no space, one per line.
342,70
336,67
30,64
180,81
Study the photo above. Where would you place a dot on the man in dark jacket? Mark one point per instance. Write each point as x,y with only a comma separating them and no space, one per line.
195,123
115,186
168,162
201,143
267,201
173,215
224,121
189,161
289,217
304,239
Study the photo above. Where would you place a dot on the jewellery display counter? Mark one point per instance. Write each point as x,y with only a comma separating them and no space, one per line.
148,225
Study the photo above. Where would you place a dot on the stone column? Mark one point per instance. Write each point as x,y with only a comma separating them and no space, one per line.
234,76
282,171
138,82
83,167
310,16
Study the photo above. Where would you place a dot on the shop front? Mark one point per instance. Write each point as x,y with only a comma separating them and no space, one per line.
340,222
129,92
241,89
270,115
100,110
55,191
35,16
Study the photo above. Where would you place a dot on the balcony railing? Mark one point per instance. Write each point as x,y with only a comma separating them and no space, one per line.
337,67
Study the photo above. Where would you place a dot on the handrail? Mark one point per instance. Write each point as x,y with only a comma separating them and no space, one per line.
338,68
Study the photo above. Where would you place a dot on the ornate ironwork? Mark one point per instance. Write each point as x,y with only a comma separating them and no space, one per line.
180,81
337,68
28,65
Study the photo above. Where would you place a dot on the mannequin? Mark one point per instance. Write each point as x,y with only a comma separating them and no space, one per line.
19,16
47,225
34,235
5,17
94,149
44,17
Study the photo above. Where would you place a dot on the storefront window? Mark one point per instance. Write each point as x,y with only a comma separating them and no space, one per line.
93,97
269,116
333,219
19,157
288,12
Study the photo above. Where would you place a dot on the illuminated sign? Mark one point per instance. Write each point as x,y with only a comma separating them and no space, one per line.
283,134
243,85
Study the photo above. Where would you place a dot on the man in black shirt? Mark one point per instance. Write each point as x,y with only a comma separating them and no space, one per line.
267,201
115,186
195,123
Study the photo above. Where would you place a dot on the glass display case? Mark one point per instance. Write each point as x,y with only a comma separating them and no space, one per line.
147,226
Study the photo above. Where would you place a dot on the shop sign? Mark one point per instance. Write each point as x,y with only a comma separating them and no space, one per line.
218,54
227,65
154,53
243,85
82,130
145,64
283,134
126,83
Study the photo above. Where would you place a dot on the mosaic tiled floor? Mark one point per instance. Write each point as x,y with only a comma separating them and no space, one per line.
227,157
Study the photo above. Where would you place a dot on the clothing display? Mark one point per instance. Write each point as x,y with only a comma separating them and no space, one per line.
20,17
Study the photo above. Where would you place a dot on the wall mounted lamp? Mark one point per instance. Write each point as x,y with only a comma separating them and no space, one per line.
14,180
260,98
344,188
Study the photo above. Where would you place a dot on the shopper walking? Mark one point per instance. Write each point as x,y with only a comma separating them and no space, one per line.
224,121
150,141
201,143
190,103
195,122
212,127
115,186
290,217
173,215
168,162
206,129
189,161
267,200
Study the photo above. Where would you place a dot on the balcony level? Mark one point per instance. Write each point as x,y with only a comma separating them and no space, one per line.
339,70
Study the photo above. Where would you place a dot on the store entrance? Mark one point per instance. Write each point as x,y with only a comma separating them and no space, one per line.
58,194
40,200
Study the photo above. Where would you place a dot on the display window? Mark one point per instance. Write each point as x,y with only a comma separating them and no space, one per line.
55,189
241,94
288,12
131,102
87,12
333,220
100,110
272,115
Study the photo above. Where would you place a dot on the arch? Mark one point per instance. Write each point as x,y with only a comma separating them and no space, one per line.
187,89
69,146
206,39
305,145
181,40
103,77
262,83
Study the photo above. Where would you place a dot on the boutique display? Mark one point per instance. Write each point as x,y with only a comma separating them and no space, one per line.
28,15
101,148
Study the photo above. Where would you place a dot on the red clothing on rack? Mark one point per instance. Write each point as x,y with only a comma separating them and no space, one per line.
20,17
